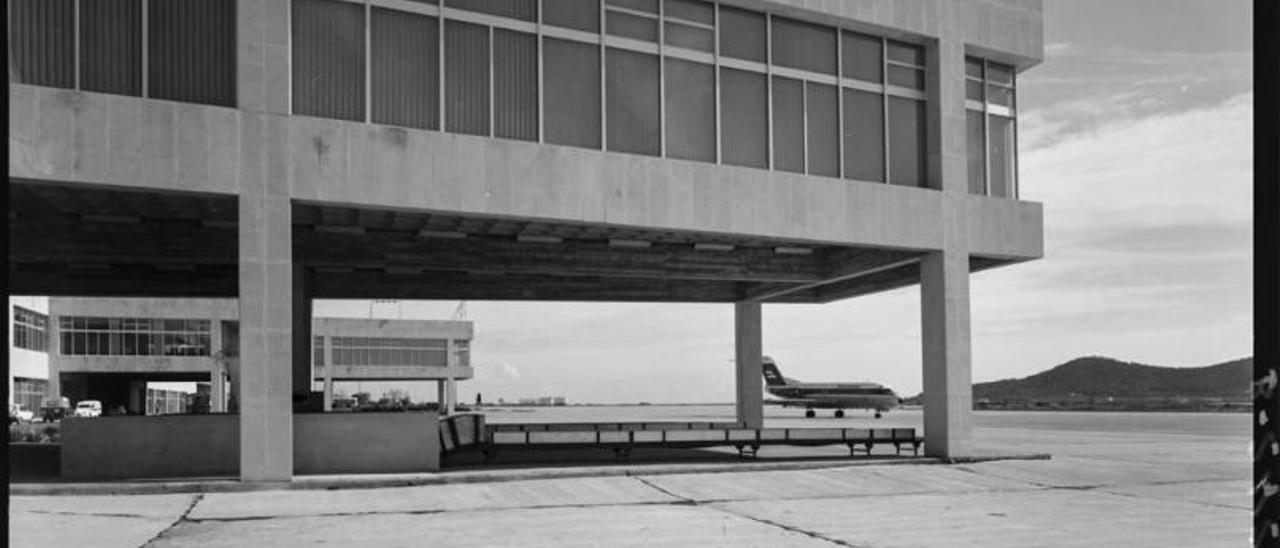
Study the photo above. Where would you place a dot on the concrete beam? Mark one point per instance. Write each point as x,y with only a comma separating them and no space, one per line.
749,368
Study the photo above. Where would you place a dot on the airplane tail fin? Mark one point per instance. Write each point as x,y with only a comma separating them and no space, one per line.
772,376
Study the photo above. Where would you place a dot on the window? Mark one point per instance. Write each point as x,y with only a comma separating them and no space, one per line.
690,110
632,94
524,10
571,74
637,19
804,46
29,330
991,128
906,142
387,351
466,78
742,34
515,85
189,54
744,122
822,126
405,69
583,15
863,57
29,393
689,24
863,135
328,59
905,64
788,124
98,336
41,46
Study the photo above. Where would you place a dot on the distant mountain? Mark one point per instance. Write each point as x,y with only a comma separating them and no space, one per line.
1100,382
1100,377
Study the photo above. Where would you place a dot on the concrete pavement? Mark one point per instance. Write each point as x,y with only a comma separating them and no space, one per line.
1100,489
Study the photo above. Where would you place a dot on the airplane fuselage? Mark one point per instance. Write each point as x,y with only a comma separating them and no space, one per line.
813,395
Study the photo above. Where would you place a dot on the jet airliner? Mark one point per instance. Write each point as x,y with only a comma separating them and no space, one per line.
838,396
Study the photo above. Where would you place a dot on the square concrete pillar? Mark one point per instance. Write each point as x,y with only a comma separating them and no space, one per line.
944,317
749,368
303,346
266,277
217,390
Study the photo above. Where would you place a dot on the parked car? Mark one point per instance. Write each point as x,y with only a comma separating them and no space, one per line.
89,409
55,409
20,413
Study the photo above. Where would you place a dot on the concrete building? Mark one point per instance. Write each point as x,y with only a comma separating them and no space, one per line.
28,351
739,151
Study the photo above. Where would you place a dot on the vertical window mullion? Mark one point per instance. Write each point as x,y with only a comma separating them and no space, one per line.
804,124
884,96
604,84
75,44
145,49
662,84
541,91
768,88
715,65
839,103
368,63
986,133
441,111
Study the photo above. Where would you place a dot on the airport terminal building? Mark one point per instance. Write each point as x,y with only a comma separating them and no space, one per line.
742,152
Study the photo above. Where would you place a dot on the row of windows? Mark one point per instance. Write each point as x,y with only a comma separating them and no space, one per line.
29,329
29,392
98,336
825,110
387,351
991,128
181,50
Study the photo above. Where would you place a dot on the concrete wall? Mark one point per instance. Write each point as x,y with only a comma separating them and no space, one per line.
23,362
420,329
209,445
150,447
366,443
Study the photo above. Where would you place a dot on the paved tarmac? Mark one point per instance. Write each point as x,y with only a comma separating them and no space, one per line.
1101,488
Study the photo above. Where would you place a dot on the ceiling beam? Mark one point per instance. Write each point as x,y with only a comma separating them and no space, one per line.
518,287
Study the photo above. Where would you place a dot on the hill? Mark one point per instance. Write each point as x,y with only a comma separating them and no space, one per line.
1097,382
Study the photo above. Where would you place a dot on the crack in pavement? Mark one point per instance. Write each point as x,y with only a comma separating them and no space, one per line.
692,502
87,514
181,518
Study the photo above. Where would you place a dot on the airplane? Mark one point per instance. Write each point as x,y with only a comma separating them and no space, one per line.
838,396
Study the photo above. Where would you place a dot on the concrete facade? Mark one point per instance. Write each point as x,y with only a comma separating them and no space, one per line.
25,363
260,169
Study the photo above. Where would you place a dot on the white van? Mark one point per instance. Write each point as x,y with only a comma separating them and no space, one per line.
89,409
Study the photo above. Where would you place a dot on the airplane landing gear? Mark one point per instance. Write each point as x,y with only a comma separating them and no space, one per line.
839,413
809,414
877,414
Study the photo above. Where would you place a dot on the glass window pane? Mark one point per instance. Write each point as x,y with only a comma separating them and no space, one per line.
906,77
582,15
863,57
684,36
973,67
524,10
690,110
1000,74
632,26
742,34
975,136
823,125
111,46
863,135
744,122
192,51
1003,152
973,90
1000,95
41,45
690,10
405,71
572,98
788,125
328,59
905,53
466,78
906,142
650,6
633,102
515,75
806,46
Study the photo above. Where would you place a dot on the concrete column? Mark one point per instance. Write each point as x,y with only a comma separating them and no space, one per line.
262,56
303,345
266,302
747,338
218,390
440,403
450,395
944,317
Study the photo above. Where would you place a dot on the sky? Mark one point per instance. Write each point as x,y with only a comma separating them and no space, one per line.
1136,135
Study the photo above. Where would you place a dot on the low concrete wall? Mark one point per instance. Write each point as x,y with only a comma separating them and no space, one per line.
173,446
151,447
363,443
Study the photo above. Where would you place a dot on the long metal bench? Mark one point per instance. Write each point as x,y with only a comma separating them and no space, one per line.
623,437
